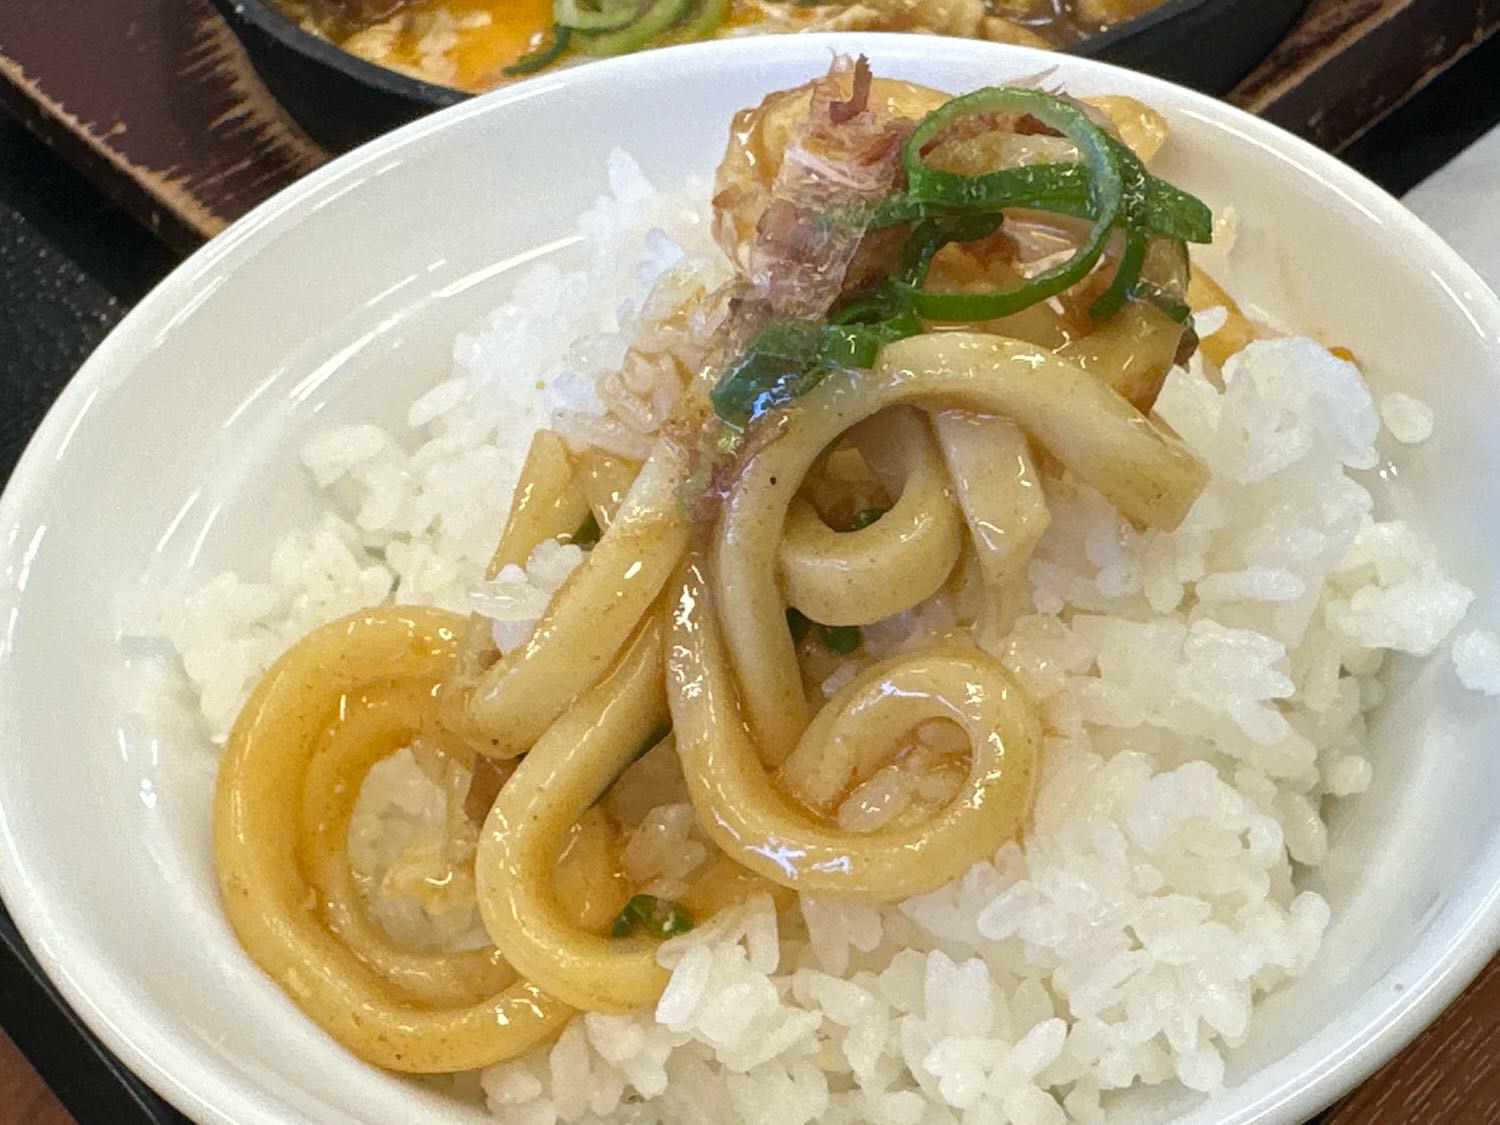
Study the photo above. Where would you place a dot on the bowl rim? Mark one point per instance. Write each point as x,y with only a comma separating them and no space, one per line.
267,18
1305,1085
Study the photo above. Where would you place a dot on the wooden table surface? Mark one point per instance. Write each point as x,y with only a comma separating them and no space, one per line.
24,1097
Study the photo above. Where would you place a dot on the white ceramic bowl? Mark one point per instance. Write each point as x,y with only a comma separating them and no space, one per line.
171,456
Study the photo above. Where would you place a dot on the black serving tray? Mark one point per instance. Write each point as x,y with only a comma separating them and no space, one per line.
342,100
86,1078
1206,44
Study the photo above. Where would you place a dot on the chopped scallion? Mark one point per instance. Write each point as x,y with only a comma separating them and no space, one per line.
657,916
655,19
1108,185
788,358
863,519
594,16
543,56
840,640
587,534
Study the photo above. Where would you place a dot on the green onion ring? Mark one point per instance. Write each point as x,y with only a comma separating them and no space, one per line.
657,18
1127,275
607,17
1105,196
543,56
707,21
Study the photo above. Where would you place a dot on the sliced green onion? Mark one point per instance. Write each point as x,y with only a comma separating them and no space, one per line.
1063,188
624,923
1127,275
543,56
857,344
1109,185
587,534
657,18
1175,308
788,358
1059,188
603,17
1165,276
866,308
839,639
1143,249
1174,213
658,916
924,182
863,519
707,21
760,377
1105,198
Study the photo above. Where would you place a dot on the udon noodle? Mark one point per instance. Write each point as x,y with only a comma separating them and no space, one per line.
679,616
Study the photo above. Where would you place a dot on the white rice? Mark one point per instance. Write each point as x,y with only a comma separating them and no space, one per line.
1408,419
1205,691
1476,659
414,515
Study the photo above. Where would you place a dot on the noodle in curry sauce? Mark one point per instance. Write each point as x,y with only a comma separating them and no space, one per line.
956,300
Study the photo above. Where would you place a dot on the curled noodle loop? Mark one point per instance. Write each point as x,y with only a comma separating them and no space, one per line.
293,720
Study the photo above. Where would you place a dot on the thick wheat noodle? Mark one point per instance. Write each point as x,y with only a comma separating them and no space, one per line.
256,826
1090,428
349,693
844,578
605,480
546,503
371,726
989,465
758,826
505,708
562,776
1141,468
554,786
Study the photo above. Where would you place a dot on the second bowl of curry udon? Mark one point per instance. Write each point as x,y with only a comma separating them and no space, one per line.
348,70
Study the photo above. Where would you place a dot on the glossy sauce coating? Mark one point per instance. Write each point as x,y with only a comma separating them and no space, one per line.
270,903
754,821
679,609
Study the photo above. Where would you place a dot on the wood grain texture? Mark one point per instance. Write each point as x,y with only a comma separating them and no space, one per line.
156,102
1349,62
1451,1073
24,1097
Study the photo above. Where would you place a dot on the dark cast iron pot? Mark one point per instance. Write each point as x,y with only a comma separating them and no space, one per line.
341,100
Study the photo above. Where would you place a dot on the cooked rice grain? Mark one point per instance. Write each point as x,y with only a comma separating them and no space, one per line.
1204,692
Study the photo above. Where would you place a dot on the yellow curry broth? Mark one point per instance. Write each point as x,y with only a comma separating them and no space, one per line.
469,43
